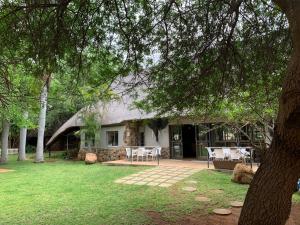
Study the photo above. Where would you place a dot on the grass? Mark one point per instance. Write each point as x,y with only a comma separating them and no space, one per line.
66,192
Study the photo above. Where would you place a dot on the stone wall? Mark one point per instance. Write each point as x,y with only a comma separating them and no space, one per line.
104,155
131,133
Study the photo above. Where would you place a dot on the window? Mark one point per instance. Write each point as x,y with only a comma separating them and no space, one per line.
225,134
112,138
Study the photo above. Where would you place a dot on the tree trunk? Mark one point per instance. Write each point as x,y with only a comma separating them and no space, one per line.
39,157
4,140
269,198
268,201
22,144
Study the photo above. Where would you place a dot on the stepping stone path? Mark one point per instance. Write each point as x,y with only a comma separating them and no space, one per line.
217,191
237,204
191,182
161,176
189,189
222,211
202,199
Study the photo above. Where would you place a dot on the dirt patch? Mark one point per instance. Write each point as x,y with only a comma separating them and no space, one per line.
2,170
196,218
158,218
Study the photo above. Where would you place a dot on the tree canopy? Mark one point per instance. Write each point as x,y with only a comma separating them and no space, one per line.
207,56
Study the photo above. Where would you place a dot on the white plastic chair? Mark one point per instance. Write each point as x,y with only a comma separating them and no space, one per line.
158,151
219,154
128,153
235,154
152,153
211,154
141,152
244,154
226,152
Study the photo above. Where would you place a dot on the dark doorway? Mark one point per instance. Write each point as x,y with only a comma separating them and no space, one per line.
189,141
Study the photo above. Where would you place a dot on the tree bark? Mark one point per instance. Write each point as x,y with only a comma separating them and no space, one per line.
269,198
39,157
4,141
22,144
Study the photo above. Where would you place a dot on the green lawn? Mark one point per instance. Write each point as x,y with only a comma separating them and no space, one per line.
66,192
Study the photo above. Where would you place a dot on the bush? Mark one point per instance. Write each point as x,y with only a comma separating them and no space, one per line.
30,149
71,154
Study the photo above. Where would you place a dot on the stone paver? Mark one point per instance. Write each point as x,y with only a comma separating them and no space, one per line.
153,184
191,182
217,191
161,176
129,182
141,183
222,211
189,189
237,204
164,185
202,199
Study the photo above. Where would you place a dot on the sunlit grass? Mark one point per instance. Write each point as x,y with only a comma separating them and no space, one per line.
66,192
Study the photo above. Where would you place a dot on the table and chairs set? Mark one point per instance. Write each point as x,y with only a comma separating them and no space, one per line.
230,154
143,153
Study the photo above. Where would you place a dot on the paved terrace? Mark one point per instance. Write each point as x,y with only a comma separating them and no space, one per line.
192,164
166,174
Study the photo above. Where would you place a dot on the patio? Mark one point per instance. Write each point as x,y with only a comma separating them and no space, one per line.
161,176
174,163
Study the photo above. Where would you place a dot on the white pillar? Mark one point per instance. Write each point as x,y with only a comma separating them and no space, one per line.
4,140
22,144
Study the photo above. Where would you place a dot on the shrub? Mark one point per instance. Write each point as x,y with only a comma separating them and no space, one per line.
30,149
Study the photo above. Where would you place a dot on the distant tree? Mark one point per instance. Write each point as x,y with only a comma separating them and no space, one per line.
206,52
4,140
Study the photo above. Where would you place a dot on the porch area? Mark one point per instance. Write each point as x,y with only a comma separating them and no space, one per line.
191,164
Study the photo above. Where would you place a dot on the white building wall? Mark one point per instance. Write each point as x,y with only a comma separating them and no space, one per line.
150,139
103,137
163,137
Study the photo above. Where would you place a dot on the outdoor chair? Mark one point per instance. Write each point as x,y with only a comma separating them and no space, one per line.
129,151
235,154
226,152
152,153
211,154
219,154
158,151
244,154
141,152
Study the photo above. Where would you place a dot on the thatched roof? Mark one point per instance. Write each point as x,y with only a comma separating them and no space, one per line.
113,112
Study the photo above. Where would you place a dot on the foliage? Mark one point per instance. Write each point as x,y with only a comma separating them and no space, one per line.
222,65
156,125
194,57
30,149
92,127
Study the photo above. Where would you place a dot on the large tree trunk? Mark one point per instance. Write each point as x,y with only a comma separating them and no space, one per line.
22,144
268,201
4,140
39,157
